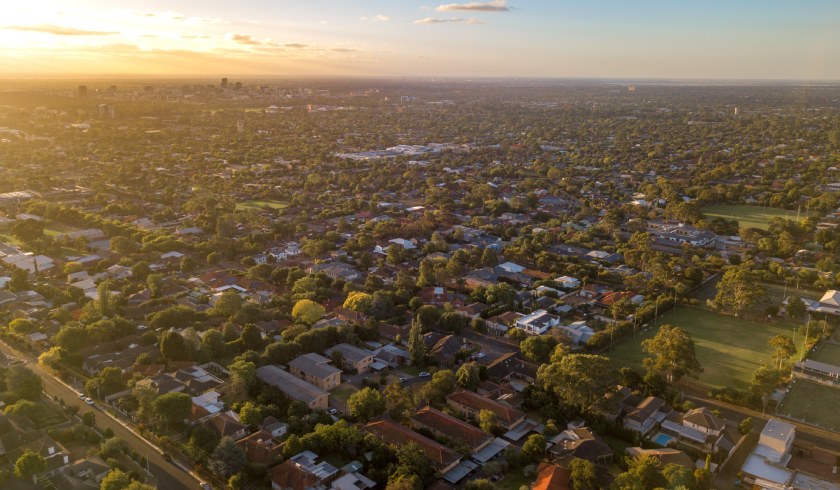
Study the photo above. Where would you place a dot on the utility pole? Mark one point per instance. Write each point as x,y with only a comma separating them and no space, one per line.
805,341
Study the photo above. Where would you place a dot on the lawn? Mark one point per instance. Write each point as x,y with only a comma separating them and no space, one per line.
54,228
812,402
828,353
260,205
728,348
514,480
343,392
750,216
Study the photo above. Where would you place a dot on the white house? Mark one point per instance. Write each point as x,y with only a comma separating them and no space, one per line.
538,322
568,282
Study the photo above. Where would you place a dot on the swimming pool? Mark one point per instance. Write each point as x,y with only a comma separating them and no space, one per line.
662,439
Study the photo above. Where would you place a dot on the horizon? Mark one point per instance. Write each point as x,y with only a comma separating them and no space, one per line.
653,40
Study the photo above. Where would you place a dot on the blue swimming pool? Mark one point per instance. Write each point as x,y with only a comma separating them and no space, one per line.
662,439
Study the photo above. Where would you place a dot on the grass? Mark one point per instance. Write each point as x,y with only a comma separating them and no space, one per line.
343,392
750,216
828,353
815,403
54,228
514,480
729,349
260,205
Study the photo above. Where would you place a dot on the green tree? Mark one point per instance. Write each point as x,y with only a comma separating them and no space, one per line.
213,345
227,458
738,290
467,376
672,354
783,348
436,390
584,475
23,384
642,474
538,348
358,301
487,421
307,312
678,476
173,408
796,308
366,404
173,347
116,479
228,304
22,326
582,380
746,426
534,446
416,345
250,414
28,464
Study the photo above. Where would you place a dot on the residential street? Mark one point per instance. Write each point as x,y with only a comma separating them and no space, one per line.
167,474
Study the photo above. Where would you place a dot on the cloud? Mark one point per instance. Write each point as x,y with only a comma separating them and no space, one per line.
377,18
493,6
294,45
451,20
344,50
165,15
243,39
60,30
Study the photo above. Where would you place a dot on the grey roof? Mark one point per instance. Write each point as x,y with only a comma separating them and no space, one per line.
351,352
315,365
289,384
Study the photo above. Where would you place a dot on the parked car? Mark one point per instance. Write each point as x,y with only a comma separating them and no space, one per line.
424,374
89,401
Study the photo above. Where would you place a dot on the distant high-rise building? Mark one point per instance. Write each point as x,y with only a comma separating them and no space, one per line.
736,111
224,82
237,85
106,110
240,126
82,90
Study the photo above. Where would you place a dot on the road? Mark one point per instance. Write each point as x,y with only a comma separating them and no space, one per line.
167,474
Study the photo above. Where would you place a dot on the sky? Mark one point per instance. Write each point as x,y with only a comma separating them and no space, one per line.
673,39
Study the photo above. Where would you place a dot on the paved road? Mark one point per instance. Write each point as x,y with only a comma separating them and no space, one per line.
167,474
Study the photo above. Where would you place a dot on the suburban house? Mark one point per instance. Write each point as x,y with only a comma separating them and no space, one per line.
442,348
829,303
317,370
552,477
578,332
469,404
581,443
302,472
225,425
390,355
294,387
442,424
260,447
766,466
647,415
700,428
441,457
353,358
538,322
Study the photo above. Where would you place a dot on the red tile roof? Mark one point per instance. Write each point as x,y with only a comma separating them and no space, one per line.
505,414
552,477
450,427
394,433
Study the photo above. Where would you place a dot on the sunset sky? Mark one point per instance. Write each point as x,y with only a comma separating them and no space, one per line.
751,39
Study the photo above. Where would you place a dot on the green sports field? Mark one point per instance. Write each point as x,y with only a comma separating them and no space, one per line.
259,205
812,402
728,348
750,216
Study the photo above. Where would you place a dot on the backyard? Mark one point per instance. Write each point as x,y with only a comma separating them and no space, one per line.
812,402
728,348
749,216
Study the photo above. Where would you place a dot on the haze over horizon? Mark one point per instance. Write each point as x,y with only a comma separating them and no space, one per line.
754,40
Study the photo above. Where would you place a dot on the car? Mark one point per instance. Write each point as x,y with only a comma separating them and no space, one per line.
424,374
403,380
480,355
332,411
81,395
89,401
205,486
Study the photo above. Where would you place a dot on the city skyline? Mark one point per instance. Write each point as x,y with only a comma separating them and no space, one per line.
497,38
